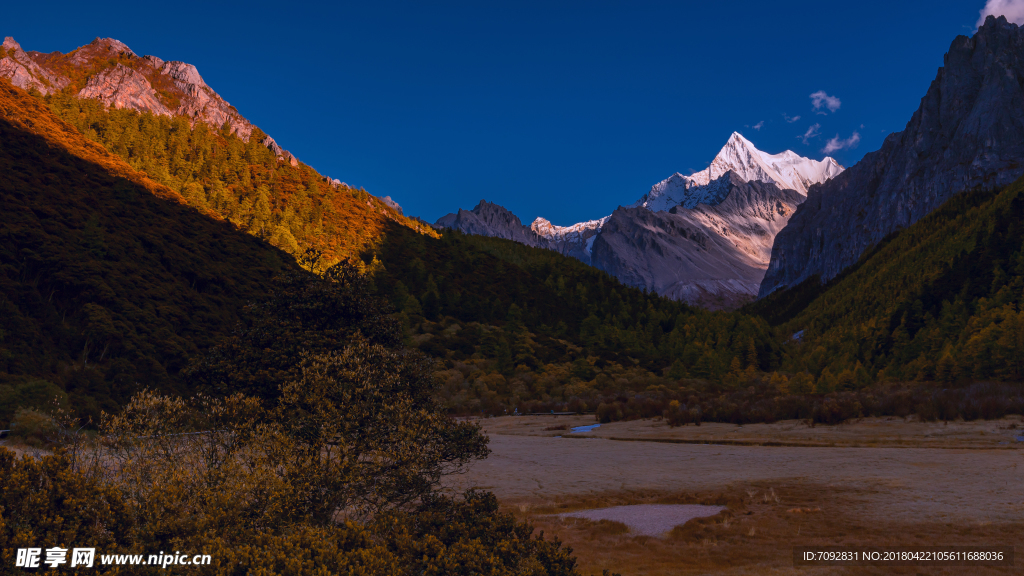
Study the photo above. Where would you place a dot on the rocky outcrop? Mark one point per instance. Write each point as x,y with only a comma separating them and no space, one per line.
394,205
200,102
18,67
711,256
122,87
99,49
968,132
124,80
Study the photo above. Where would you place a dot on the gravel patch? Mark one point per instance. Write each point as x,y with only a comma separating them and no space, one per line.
648,519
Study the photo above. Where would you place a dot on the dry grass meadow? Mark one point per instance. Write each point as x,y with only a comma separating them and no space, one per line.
877,482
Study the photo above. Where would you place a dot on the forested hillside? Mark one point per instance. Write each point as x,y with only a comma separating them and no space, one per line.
94,315
108,281
516,323
939,301
292,207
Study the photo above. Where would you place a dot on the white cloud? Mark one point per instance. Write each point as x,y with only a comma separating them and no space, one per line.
837,144
1012,9
813,132
820,98
790,119
758,126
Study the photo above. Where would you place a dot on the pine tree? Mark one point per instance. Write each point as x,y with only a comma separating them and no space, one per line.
431,306
780,383
802,383
194,194
945,369
846,381
861,376
261,224
826,382
750,355
503,356
514,319
677,370
283,239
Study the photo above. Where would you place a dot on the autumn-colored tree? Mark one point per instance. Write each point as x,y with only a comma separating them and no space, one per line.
801,383
826,382
780,382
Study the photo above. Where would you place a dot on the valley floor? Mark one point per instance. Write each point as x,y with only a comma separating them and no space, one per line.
884,483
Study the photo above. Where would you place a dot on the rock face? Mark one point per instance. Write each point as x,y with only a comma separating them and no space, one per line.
387,200
200,102
116,76
122,87
24,72
576,240
968,132
709,255
394,205
704,238
489,219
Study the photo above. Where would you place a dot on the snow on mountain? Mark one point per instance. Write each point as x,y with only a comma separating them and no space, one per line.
711,256
704,238
580,236
787,170
545,228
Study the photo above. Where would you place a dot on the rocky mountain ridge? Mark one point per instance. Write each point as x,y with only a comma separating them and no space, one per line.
489,219
109,71
968,132
704,238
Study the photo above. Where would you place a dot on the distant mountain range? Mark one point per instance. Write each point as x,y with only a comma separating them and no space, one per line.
705,238
684,239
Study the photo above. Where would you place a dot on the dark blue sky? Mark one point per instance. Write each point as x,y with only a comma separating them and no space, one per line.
557,109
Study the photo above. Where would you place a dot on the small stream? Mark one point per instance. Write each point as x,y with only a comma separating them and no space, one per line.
580,429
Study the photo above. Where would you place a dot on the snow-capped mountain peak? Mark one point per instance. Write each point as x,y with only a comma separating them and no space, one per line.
786,170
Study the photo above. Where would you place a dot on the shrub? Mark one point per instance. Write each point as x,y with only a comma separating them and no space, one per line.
33,427
609,412
28,393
